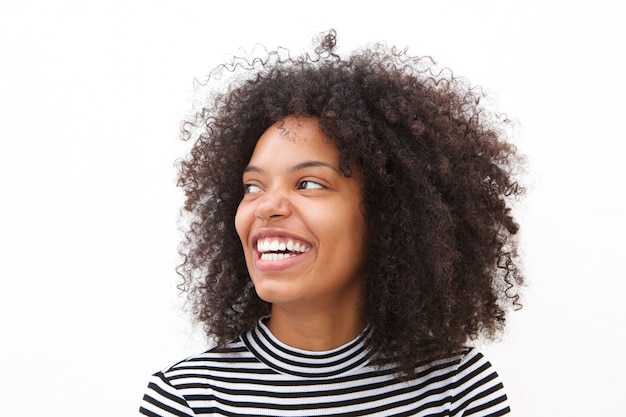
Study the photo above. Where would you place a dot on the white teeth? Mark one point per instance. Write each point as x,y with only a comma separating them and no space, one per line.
276,256
269,247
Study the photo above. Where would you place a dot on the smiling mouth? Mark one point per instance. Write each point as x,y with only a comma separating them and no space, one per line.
277,249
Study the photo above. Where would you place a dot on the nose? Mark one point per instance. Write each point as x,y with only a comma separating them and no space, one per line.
273,205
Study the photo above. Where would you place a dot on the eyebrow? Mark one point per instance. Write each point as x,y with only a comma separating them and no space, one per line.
298,167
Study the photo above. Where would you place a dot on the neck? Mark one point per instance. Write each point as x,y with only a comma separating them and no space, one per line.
320,331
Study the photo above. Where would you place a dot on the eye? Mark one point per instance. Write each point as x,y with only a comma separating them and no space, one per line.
251,189
309,185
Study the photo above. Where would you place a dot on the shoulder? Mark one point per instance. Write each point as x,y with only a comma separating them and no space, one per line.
169,389
475,385
203,365
464,384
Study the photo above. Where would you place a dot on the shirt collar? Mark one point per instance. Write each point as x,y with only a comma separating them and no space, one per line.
308,364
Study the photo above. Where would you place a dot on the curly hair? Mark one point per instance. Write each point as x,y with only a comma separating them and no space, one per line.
438,178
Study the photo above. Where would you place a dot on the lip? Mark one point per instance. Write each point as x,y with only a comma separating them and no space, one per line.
272,266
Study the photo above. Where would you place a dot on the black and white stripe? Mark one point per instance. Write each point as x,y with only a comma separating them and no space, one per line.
257,375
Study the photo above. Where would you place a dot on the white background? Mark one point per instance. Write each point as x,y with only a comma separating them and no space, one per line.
91,96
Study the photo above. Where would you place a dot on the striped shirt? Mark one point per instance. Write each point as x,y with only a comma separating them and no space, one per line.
257,375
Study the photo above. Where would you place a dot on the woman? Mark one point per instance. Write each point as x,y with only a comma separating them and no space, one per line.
349,235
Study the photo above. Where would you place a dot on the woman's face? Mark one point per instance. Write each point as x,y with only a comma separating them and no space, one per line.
300,220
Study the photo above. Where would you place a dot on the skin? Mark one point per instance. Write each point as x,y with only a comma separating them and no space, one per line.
296,195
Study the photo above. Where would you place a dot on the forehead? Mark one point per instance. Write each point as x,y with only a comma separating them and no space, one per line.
294,139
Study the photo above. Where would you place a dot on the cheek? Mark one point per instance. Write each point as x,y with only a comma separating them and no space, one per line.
354,228
242,223
357,233
345,227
